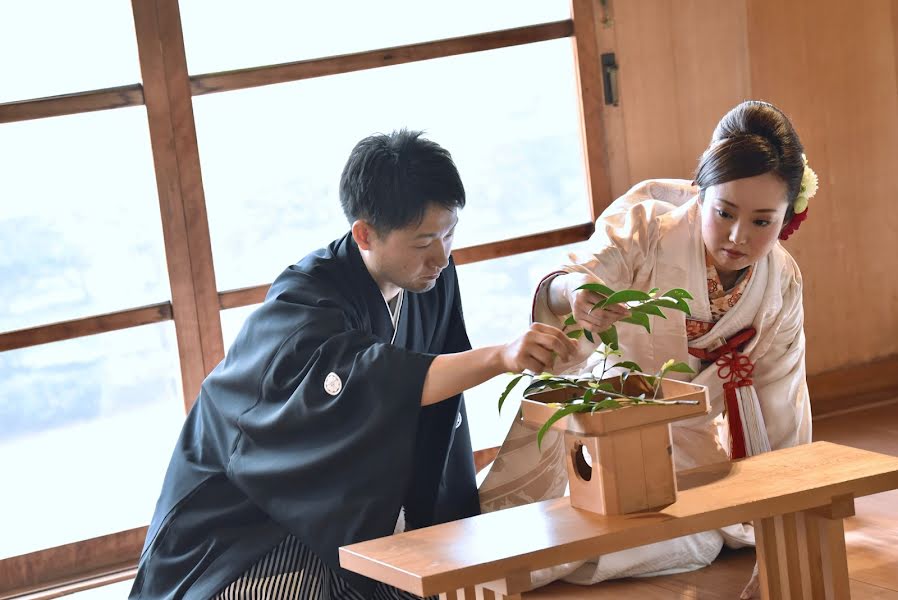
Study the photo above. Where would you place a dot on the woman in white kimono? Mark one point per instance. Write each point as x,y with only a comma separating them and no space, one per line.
750,189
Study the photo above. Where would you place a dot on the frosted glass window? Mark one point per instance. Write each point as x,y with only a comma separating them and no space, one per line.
52,47
87,427
80,229
221,35
272,156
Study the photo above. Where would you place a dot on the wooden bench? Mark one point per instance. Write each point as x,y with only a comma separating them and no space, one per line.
797,498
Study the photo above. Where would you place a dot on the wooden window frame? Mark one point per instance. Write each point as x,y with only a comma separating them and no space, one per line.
166,91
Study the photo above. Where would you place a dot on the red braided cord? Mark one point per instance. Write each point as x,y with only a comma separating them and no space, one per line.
737,368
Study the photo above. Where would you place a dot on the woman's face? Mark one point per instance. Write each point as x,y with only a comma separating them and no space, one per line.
741,220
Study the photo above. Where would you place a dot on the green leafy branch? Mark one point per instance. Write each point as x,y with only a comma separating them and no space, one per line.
640,304
589,395
592,395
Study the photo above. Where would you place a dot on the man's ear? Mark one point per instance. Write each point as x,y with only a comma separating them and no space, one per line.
362,233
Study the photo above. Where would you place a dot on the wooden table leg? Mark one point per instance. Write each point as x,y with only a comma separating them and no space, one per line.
835,559
825,532
809,534
793,559
484,593
507,588
462,594
768,560
801,556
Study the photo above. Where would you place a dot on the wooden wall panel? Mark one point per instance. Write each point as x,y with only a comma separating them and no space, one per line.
683,65
842,98
648,88
710,52
831,66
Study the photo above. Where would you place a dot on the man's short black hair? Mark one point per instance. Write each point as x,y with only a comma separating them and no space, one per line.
390,180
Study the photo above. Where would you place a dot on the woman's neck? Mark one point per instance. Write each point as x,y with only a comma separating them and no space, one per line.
728,279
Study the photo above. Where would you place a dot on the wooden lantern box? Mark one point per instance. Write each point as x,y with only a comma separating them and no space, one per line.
631,458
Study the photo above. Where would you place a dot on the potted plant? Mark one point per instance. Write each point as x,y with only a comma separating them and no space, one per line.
617,425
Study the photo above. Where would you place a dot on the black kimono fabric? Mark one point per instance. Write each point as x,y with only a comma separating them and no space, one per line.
312,426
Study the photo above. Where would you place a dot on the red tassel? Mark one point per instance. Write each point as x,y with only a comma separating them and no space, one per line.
734,418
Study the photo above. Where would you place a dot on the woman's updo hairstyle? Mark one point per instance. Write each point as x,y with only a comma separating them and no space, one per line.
752,139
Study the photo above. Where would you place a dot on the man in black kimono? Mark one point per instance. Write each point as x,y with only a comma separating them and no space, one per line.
337,412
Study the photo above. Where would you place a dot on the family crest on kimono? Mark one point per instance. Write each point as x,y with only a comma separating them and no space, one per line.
337,414
718,237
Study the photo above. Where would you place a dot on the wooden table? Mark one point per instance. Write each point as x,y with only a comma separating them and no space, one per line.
796,497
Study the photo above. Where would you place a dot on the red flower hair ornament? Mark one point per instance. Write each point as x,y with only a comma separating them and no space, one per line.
800,208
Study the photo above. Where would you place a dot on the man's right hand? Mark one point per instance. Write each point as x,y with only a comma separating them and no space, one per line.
537,350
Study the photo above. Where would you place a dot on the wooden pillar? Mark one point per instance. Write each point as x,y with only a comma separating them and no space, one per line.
185,228
589,87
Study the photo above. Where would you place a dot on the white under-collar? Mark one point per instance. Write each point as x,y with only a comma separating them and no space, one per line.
395,308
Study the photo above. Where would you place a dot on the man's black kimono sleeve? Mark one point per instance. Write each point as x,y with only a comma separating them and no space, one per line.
312,427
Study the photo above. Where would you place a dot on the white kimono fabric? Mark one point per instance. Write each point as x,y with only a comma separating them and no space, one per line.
651,238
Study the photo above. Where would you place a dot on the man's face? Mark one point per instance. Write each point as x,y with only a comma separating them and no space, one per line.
413,257
742,219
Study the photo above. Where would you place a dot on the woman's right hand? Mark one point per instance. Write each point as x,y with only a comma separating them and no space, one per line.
595,320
